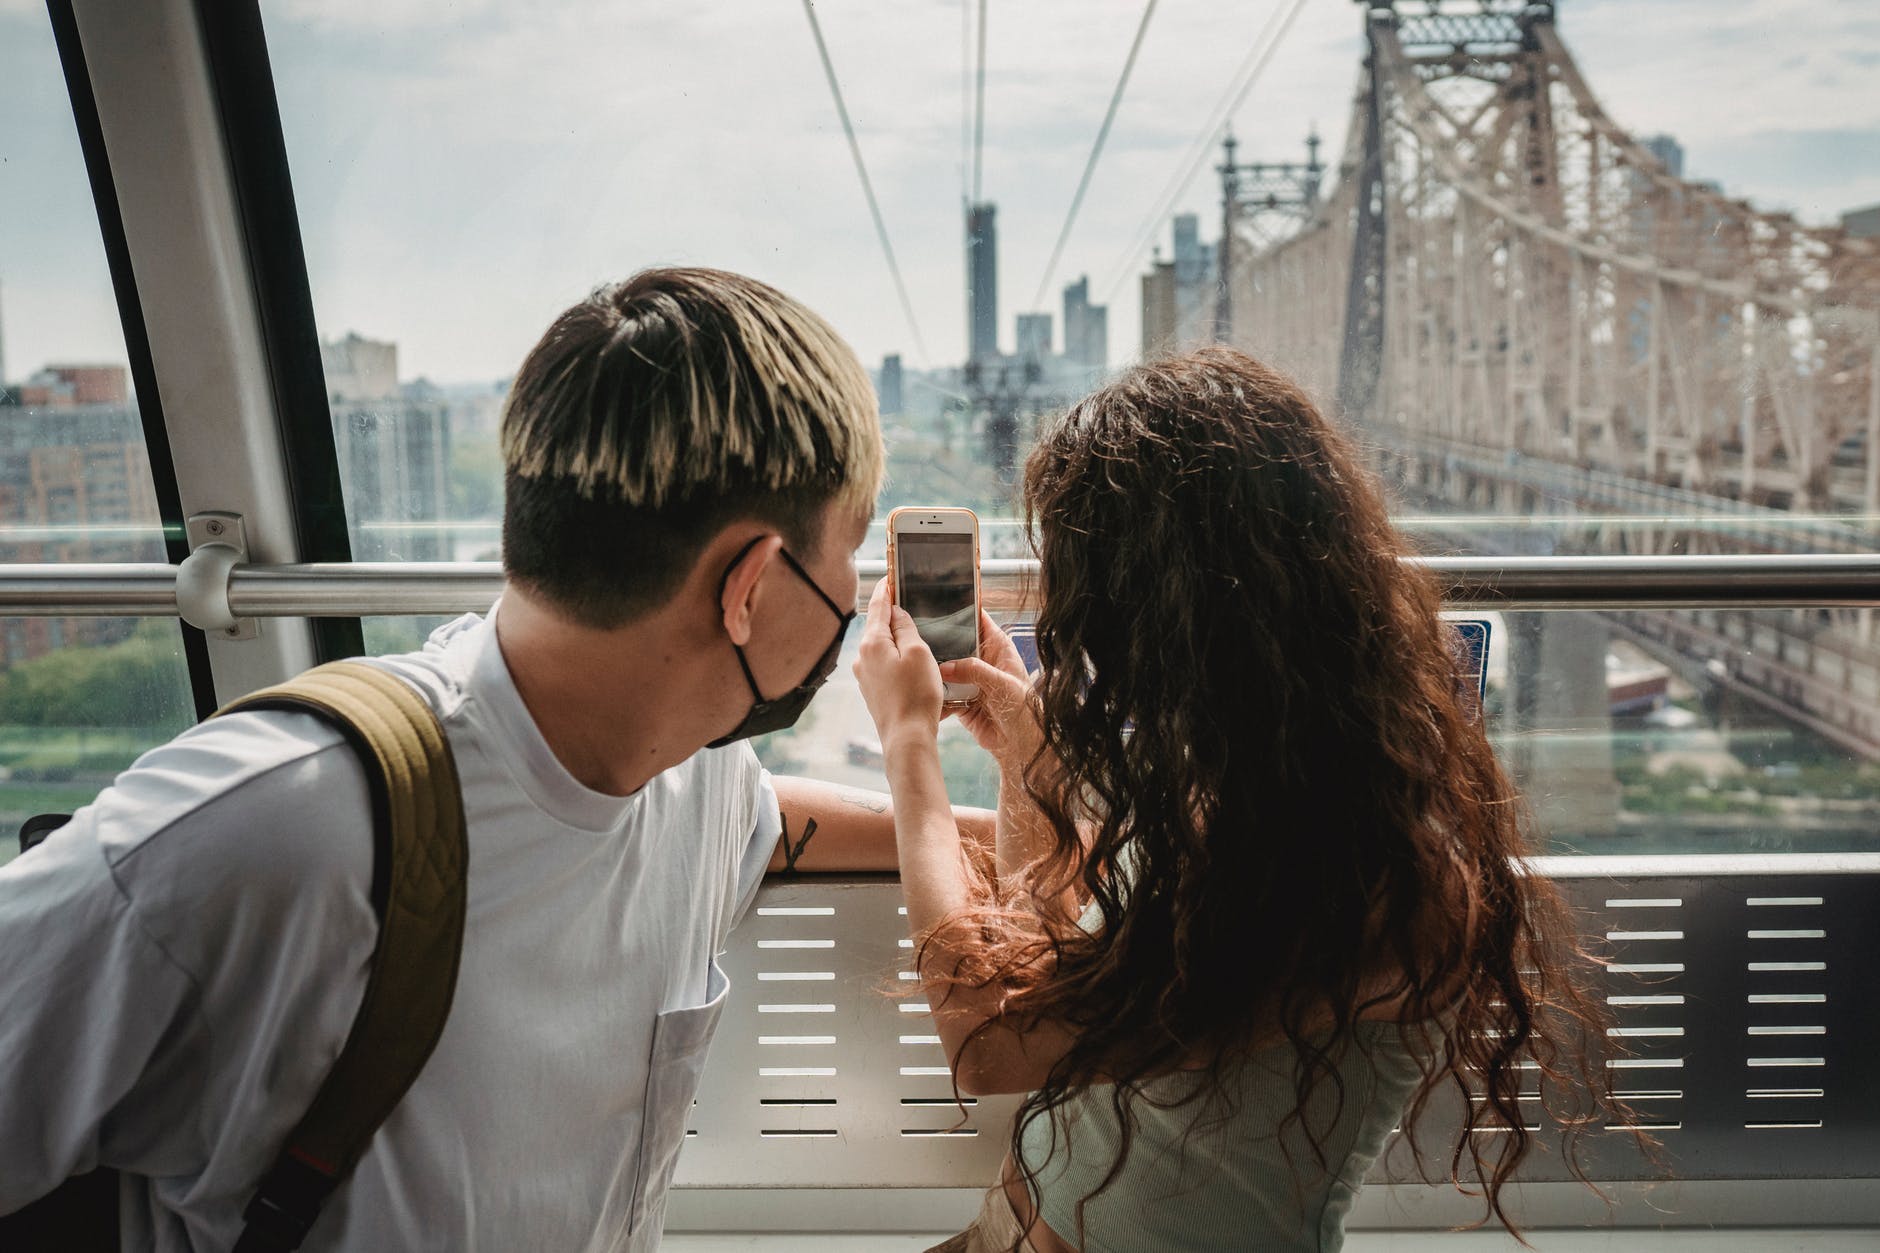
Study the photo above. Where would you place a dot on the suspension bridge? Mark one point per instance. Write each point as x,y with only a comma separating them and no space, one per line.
1541,322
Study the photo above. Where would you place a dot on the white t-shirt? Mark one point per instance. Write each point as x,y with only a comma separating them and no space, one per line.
181,963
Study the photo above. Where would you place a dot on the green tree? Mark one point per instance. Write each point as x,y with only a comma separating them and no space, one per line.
142,681
476,478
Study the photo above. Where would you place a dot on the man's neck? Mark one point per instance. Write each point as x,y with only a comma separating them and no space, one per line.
612,705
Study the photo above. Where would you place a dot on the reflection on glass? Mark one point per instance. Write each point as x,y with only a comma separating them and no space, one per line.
936,589
1637,319
79,697
1676,731
76,712
835,740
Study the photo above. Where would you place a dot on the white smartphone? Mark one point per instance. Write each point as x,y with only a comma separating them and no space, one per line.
933,565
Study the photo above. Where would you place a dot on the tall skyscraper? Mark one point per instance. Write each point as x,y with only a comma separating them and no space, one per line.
1159,322
1097,338
1668,150
888,386
358,368
1086,327
393,444
982,278
1034,336
58,386
75,486
1195,293
1187,242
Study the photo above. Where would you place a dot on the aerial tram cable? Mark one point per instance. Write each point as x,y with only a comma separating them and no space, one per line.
868,188
1239,86
1096,151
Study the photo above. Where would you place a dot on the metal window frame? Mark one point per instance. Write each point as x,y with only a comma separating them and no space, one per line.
191,238
242,77
136,335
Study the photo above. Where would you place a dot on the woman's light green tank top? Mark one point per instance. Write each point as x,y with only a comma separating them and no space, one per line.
1215,1174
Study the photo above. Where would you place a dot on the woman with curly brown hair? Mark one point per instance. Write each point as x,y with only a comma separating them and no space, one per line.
1256,894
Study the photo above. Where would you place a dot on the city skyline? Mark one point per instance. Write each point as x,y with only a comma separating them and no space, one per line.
418,195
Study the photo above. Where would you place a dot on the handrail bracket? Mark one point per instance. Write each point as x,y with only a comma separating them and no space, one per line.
218,542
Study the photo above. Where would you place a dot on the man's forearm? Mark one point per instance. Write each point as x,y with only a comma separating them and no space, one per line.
829,829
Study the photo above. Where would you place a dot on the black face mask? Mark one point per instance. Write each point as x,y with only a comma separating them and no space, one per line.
775,715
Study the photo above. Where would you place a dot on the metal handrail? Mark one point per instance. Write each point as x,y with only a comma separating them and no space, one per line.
356,589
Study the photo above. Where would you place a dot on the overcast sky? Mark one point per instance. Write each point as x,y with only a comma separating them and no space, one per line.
465,170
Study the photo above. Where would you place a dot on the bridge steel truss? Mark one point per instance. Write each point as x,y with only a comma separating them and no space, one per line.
1539,316
1544,284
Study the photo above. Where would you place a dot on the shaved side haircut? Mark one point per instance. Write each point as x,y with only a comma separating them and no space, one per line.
663,408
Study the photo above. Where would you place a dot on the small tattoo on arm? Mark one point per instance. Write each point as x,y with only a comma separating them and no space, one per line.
793,851
866,800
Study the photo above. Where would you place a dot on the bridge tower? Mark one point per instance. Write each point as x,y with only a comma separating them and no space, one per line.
1262,202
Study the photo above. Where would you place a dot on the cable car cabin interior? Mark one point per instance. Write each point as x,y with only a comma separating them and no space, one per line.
1603,323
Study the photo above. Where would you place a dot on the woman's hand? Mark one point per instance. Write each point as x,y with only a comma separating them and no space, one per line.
1004,720
897,675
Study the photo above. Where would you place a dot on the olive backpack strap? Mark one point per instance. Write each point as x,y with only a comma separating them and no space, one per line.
418,890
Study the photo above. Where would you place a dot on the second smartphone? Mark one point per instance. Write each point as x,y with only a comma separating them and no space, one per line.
933,559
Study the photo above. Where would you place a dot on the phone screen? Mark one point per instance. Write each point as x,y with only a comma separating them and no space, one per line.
935,577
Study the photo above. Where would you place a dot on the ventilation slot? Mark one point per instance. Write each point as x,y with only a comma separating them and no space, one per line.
1813,1125
795,1072
937,1101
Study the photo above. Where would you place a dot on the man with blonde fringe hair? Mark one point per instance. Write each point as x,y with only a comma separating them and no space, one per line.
691,460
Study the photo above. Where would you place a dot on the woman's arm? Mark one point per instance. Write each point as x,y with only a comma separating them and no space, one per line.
938,883
903,688
1004,721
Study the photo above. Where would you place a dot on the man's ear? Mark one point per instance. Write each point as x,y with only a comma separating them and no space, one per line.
738,604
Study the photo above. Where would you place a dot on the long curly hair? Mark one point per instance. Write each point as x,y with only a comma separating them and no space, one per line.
1261,768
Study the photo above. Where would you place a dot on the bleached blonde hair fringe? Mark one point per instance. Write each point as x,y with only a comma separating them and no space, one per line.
708,383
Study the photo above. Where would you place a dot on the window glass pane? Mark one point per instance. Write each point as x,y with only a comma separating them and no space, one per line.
1639,319
79,697
1676,731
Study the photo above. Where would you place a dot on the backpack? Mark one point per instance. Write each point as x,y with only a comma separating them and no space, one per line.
419,859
